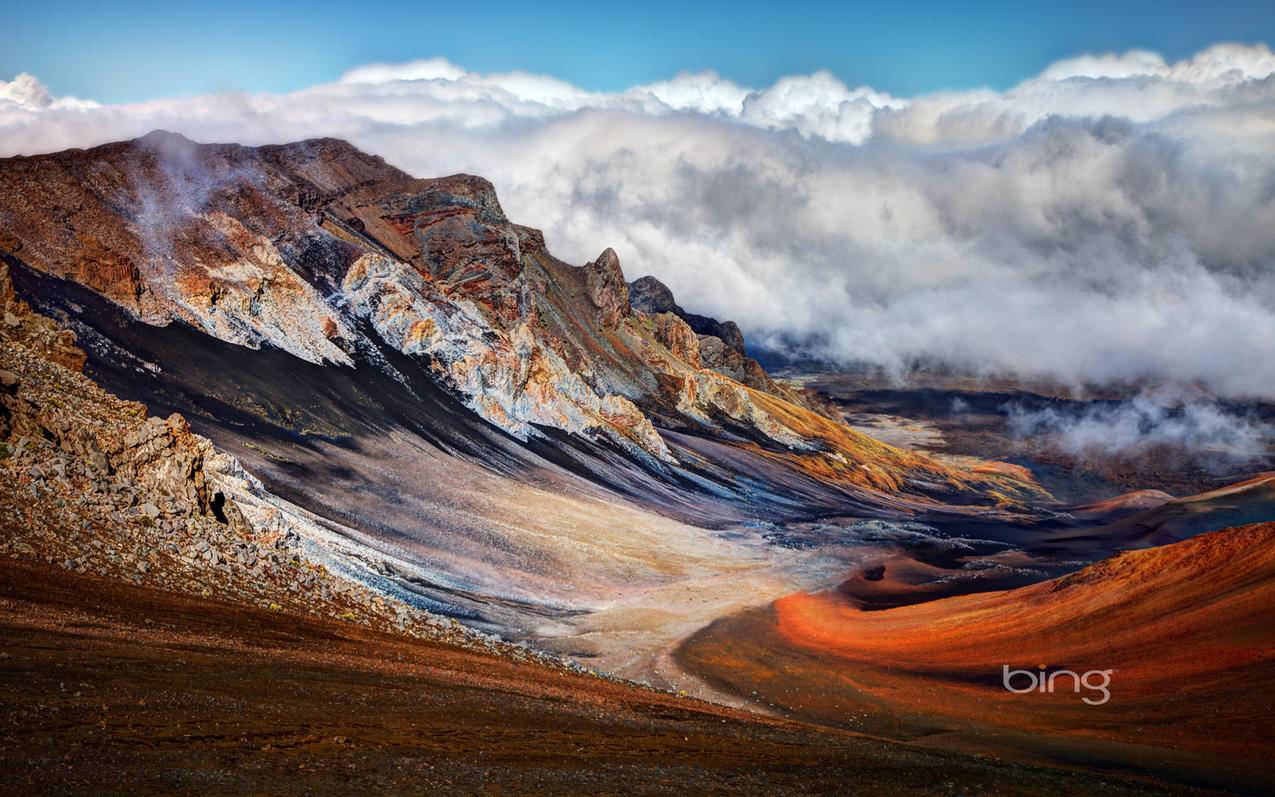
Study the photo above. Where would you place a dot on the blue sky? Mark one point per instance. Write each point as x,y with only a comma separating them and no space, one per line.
137,49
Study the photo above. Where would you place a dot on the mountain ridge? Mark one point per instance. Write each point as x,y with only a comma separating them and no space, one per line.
294,245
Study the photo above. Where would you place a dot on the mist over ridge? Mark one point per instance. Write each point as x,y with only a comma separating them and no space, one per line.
1110,220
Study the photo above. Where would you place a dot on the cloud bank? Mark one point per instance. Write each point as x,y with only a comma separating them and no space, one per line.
1112,219
1151,422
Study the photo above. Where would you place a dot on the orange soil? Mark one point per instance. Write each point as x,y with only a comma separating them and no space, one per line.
1192,618
875,465
1187,628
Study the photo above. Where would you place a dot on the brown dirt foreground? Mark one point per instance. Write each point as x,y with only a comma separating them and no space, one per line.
112,688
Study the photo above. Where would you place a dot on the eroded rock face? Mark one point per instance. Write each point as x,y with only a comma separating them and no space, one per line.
508,377
35,332
607,288
287,246
678,337
327,253
720,346
255,298
455,231
171,231
727,360
113,439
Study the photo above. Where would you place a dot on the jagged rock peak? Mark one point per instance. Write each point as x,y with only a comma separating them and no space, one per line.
607,288
652,296
649,295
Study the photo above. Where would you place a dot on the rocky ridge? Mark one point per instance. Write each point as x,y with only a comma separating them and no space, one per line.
718,345
313,247
90,483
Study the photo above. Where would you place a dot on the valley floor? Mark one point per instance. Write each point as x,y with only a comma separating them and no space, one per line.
110,688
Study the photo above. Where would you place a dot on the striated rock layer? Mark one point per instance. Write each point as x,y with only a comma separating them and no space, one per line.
90,483
385,352
325,252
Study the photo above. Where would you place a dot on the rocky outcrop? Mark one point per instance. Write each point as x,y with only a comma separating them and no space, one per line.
678,337
607,289
34,332
649,295
112,442
720,345
508,377
454,230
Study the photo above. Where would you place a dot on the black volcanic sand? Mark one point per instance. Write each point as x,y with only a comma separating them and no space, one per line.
109,689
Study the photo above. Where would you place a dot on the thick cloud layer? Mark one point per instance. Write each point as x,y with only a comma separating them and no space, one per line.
1112,219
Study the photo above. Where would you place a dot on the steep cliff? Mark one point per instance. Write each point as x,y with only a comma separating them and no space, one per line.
328,254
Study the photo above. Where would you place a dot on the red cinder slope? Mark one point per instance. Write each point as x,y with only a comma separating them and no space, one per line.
1186,632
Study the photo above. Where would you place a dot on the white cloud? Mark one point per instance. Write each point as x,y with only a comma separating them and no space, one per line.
1149,423
817,105
423,69
27,93
1225,64
701,92
1111,65
1110,219
1219,65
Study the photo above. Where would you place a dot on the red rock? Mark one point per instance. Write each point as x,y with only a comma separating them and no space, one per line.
677,336
607,288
